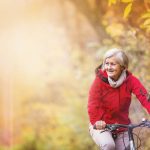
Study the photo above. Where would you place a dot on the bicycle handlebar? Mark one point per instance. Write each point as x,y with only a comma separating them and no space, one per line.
144,123
113,127
129,127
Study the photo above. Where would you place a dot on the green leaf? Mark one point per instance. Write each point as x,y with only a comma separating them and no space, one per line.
127,10
126,1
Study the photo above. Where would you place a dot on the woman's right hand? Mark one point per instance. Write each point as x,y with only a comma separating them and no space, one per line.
100,125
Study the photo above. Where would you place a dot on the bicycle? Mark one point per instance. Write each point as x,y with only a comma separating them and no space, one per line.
130,127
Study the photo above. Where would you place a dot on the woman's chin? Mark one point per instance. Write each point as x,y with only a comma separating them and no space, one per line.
112,77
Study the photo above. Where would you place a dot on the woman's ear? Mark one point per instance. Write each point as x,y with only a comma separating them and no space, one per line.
123,68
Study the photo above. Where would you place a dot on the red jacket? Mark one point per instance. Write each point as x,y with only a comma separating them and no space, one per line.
112,104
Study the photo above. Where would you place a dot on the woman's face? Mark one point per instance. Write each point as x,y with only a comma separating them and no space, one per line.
113,68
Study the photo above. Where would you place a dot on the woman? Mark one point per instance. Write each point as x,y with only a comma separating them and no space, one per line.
110,98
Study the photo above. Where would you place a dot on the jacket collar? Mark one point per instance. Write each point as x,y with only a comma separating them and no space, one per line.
104,77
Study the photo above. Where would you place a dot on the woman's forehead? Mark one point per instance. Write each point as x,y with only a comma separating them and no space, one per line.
112,59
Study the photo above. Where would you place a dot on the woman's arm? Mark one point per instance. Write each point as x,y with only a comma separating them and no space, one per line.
141,93
94,104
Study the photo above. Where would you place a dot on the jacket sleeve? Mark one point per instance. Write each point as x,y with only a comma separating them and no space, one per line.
141,93
94,110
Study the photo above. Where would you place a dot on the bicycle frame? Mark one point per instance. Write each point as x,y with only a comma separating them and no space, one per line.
131,139
130,133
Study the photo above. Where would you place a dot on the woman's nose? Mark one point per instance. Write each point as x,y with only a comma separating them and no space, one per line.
109,66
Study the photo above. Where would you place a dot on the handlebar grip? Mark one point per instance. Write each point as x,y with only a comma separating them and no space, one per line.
94,126
108,126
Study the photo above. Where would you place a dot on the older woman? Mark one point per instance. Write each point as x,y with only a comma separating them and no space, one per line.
110,98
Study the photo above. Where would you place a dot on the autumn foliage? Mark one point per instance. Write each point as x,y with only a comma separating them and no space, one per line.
49,51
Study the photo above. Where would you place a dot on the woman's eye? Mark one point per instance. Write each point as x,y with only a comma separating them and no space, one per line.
111,64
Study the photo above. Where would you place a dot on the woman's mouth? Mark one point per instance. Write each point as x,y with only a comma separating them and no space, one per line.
111,71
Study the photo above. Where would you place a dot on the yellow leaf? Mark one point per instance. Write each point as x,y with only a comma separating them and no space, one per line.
127,10
126,1
148,29
146,22
110,2
115,29
146,15
142,26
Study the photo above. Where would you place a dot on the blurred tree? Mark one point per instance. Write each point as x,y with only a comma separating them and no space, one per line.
52,113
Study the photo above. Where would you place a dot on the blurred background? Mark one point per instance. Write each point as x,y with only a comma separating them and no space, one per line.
49,50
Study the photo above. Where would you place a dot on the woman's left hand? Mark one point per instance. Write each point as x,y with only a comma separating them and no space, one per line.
100,125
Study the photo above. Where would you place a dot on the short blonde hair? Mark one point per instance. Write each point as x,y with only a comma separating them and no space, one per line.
120,56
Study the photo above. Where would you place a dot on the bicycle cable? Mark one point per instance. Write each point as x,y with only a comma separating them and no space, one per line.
138,137
138,140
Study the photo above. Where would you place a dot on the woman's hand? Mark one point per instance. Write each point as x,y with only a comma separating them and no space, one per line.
99,125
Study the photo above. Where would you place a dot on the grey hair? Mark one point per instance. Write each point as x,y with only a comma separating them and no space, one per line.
120,56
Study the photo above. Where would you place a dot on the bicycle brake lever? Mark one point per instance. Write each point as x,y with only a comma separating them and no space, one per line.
111,127
147,124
